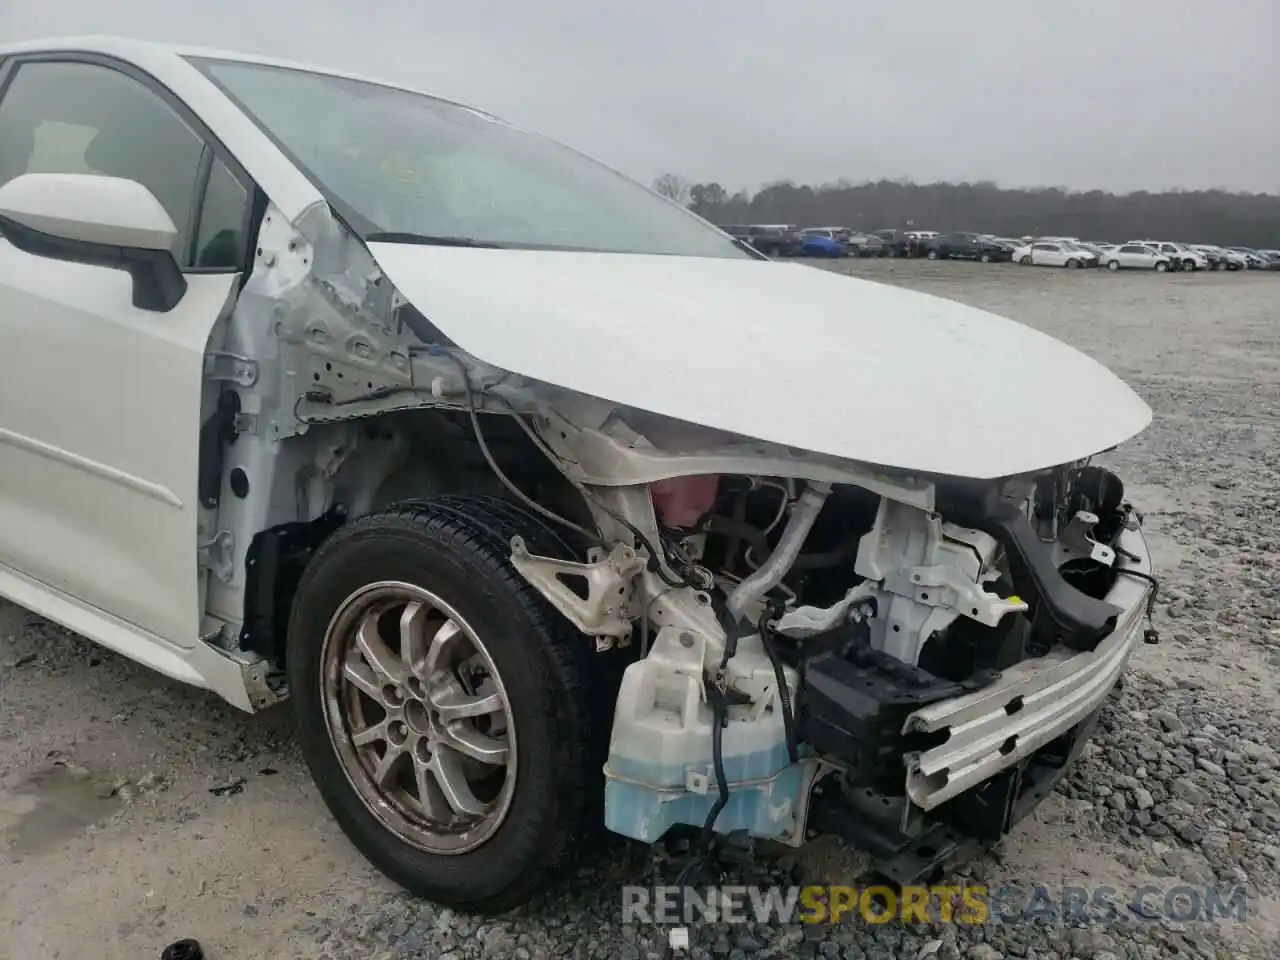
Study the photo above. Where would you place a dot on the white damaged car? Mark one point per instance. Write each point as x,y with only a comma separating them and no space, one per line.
547,504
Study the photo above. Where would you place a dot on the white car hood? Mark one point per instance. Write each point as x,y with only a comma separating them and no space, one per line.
781,352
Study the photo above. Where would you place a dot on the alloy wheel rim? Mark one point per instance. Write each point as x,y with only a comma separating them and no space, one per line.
419,717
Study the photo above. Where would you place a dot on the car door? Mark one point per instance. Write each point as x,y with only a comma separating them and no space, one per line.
101,400
1141,256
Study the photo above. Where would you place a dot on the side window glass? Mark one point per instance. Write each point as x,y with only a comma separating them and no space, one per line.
221,241
83,118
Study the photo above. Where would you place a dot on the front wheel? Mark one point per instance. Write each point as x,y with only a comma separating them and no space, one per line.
1072,264
1162,267
1113,265
932,254
1024,261
442,705
985,258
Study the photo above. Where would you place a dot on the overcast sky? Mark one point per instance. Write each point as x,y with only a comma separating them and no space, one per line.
1118,94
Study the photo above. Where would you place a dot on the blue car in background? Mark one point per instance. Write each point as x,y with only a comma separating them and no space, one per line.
822,242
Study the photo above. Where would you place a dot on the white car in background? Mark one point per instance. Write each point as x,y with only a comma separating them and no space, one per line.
1052,253
1180,255
1136,256
1088,255
303,395
1192,259
1091,255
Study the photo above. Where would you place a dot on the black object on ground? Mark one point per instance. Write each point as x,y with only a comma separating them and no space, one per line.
183,950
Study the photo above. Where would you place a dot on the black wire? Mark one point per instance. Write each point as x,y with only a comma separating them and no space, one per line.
784,694
701,853
654,563
720,715
1151,635
493,465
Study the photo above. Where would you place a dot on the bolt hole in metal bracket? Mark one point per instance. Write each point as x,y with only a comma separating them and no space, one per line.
605,612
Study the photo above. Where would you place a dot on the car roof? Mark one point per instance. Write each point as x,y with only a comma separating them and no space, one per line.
141,52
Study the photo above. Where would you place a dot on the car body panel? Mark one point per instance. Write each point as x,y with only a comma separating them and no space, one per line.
101,505
821,362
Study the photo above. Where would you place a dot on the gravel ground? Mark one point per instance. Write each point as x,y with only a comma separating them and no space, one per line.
134,811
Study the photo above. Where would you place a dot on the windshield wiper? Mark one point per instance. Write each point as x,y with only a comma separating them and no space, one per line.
429,240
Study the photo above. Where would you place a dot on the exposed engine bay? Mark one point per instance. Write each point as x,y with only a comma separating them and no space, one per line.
790,635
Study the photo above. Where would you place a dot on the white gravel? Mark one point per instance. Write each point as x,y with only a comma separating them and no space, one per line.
114,843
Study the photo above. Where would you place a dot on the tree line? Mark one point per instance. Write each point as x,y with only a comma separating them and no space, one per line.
1189,216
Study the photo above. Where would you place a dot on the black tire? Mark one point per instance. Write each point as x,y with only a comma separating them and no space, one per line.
1113,264
1072,263
1162,267
458,548
985,258
1024,261
932,255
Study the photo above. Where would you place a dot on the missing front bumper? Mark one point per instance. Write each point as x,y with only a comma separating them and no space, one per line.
996,752
1033,703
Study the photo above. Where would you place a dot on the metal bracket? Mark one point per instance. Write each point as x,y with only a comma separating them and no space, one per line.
947,587
245,423
219,365
605,612
801,622
1077,540
216,554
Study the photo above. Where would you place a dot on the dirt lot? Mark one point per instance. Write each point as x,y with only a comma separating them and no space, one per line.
134,811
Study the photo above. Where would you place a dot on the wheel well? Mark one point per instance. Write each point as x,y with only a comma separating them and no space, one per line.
411,455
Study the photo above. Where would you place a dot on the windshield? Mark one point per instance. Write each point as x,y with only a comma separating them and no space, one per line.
403,166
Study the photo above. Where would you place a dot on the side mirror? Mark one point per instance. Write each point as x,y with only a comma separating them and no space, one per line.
102,221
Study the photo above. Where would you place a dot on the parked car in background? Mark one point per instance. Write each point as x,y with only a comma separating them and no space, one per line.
773,240
894,243
1137,256
836,233
1092,248
1044,253
1181,257
820,242
1216,256
965,246
1089,256
1227,259
1192,259
1254,259
865,245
